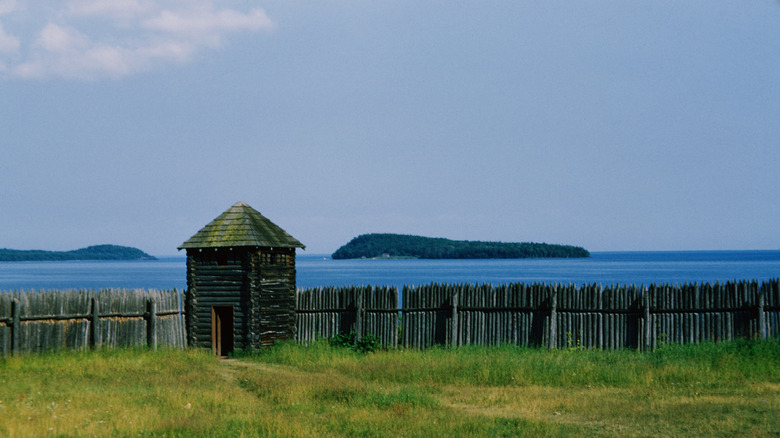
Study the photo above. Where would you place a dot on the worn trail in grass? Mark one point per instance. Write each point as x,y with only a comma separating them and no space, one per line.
707,390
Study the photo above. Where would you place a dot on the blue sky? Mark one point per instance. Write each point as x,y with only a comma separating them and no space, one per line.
614,125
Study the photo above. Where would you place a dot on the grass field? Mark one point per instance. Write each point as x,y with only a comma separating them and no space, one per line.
728,389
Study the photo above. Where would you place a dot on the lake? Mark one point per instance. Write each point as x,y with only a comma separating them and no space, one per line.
604,268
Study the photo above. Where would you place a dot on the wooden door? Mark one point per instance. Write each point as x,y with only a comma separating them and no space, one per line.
222,330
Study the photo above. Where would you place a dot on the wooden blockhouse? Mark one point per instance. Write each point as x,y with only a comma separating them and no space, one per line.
240,282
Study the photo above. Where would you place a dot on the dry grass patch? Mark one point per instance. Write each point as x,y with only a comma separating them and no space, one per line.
628,412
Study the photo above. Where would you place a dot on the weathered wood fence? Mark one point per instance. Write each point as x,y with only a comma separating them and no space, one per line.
78,319
555,316
328,311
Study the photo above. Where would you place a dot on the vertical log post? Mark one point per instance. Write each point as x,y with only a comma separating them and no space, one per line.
552,337
151,327
761,316
601,316
454,337
359,315
16,334
647,324
94,334
182,334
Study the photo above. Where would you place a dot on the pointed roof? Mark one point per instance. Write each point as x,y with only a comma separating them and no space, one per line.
241,225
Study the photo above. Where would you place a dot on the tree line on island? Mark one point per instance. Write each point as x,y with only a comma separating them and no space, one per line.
388,245
96,252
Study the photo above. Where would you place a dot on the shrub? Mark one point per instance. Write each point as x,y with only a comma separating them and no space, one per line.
366,344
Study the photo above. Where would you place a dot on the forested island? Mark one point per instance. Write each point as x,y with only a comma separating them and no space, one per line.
96,252
387,245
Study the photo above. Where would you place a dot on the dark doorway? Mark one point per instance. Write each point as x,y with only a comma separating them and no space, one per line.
222,330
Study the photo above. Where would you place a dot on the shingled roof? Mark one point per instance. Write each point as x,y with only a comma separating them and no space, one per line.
241,225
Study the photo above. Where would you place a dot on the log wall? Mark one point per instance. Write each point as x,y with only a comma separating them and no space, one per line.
258,283
273,296
217,278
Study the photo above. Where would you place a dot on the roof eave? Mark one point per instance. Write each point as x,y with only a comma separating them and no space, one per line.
240,245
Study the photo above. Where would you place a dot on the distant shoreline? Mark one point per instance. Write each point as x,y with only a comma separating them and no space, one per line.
317,269
404,246
90,253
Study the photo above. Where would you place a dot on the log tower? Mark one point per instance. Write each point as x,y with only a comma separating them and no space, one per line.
240,282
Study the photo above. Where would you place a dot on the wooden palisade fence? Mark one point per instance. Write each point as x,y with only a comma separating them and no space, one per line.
555,316
80,319
328,311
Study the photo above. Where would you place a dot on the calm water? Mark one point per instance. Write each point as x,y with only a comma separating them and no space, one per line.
602,267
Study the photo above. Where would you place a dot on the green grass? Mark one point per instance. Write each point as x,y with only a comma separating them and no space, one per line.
726,389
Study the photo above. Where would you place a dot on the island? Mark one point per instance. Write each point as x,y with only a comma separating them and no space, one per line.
388,245
96,252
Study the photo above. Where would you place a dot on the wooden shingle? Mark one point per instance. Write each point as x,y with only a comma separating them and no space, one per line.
241,225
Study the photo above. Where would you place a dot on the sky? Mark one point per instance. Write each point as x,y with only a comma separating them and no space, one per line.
612,125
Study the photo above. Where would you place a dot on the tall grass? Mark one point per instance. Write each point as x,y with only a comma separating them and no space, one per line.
716,364
728,389
695,390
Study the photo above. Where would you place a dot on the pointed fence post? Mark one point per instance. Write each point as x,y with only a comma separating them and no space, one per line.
182,332
647,324
600,292
16,334
94,334
761,316
359,315
454,335
552,337
151,328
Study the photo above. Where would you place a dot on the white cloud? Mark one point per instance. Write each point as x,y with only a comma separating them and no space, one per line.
57,39
207,26
8,43
93,39
205,21
7,6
